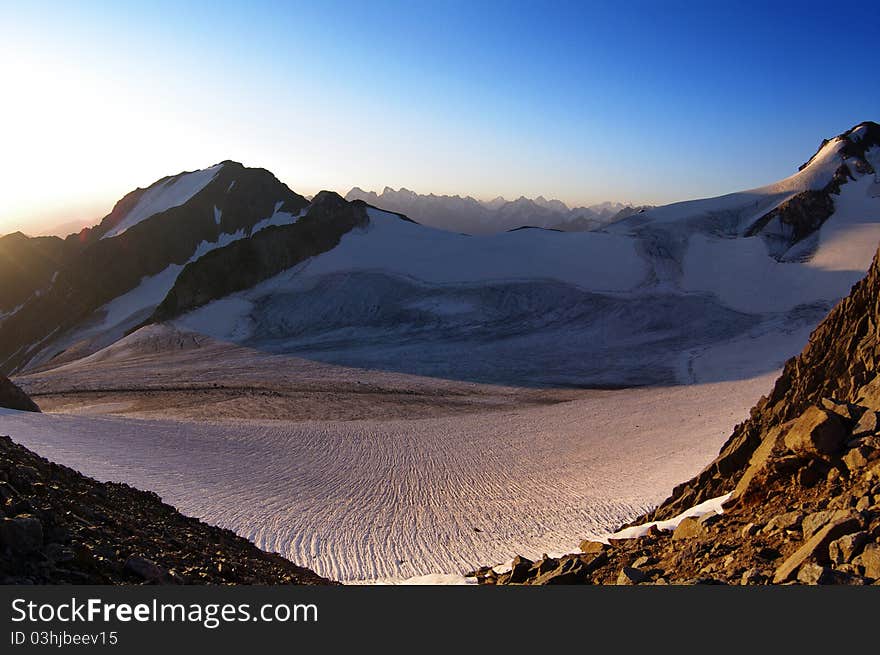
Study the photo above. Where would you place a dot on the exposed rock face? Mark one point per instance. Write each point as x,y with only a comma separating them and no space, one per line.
27,266
11,397
803,473
245,263
60,527
796,219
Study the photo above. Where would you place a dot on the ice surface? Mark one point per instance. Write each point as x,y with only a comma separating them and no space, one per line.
395,499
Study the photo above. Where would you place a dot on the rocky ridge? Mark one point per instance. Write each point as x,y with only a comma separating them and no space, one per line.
245,263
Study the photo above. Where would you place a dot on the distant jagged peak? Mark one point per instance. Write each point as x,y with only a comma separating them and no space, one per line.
495,203
470,215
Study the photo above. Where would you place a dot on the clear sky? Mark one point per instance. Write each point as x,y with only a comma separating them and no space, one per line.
647,102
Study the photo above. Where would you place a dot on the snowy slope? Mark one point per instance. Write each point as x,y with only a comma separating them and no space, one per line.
163,196
744,277
596,261
735,212
662,297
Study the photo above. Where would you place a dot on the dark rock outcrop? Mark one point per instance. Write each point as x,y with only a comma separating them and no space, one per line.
60,527
11,397
243,264
27,266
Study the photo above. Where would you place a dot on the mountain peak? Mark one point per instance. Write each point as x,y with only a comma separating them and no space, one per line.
855,142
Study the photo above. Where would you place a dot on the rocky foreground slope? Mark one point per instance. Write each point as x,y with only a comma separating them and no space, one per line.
803,474
60,527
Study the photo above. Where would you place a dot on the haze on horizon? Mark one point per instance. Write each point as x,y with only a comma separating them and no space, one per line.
648,103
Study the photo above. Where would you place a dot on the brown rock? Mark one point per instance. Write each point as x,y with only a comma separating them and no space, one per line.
816,432
519,569
812,523
592,547
753,576
867,424
856,458
758,461
689,529
841,551
571,570
809,476
749,530
786,521
872,471
845,410
643,561
868,563
817,546
812,574
631,576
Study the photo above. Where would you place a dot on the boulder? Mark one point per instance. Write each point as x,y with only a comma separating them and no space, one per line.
753,576
812,523
841,551
816,432
845,410
758,461
571,570
631,576
643,561
785,521
868,563
23,534
689,529
867,425
145,569
856,458
592,547
546,565
749,530
816,547
519,569
812,574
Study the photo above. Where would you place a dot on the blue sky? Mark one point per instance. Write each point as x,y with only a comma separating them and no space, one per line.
643,102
